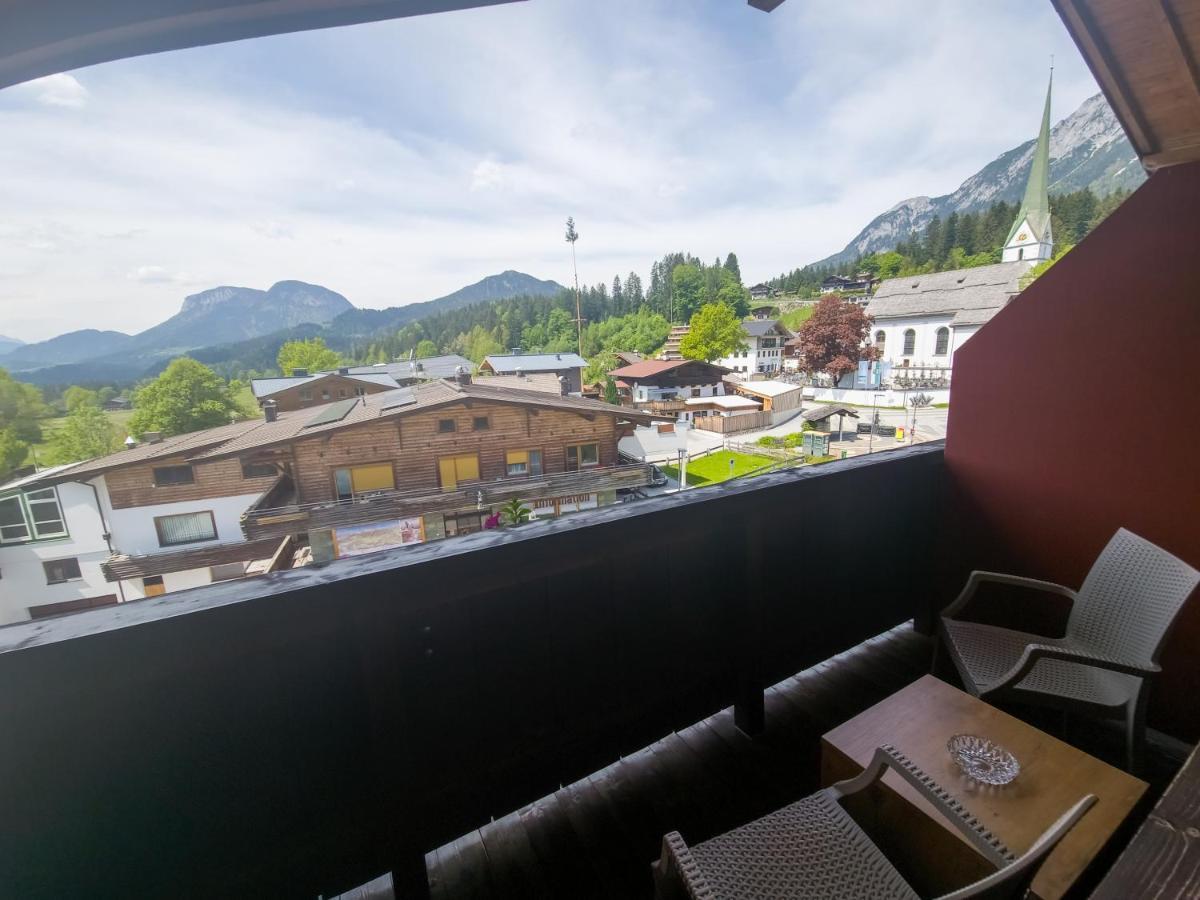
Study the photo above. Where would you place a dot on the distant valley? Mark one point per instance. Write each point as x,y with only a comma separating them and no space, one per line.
233,317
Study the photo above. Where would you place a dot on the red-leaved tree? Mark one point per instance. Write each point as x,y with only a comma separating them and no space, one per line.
833,339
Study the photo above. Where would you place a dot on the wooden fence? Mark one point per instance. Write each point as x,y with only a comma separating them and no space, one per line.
732,424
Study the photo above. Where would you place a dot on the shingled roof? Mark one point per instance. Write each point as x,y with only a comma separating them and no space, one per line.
966,296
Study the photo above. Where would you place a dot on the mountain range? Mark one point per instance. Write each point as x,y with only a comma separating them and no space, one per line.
1088,149
210,324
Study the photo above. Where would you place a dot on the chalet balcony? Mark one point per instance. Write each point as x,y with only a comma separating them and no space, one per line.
276,515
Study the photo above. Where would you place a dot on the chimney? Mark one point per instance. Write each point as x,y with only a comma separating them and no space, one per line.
558,356
520,372
462,376
420,367
344,370
152,437
270,411
562,385
299,373
130,442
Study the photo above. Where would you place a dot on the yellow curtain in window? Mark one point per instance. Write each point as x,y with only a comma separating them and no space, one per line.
372,478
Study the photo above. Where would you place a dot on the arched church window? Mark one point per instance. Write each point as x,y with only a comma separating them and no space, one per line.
910,342
943,342
880,340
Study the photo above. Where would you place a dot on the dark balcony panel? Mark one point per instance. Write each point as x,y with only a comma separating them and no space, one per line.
302,732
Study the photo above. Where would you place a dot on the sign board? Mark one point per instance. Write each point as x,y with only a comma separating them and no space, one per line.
355,540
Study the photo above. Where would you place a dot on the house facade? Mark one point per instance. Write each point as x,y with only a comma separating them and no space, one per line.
655,380
51,547
764,348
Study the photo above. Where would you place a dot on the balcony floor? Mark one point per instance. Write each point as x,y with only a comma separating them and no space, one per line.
597,837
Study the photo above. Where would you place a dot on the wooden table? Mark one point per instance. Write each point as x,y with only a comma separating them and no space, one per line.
918,721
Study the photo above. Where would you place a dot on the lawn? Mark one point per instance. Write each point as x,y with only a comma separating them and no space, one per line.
119,418
793,319
715,467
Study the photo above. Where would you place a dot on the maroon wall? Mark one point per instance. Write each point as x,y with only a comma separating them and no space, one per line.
1075,412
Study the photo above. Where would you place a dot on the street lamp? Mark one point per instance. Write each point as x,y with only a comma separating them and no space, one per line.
682,427
871,432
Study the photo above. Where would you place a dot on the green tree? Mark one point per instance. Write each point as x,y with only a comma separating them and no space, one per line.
715,332
731,266
75,397
610,391
599,366
21,406
86,434
687,288
732,294
312,355
12,451
425,347
187,396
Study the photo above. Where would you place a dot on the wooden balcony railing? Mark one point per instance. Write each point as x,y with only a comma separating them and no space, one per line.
260,522
302,732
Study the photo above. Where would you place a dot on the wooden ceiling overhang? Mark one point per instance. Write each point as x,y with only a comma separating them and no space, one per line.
1143,54
42,37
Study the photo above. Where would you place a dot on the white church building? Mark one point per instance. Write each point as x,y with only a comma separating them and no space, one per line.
920,321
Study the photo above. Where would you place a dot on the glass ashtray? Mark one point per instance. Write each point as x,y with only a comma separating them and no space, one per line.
982,760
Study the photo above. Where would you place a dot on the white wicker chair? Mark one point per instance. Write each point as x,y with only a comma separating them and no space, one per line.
1118,623
814,849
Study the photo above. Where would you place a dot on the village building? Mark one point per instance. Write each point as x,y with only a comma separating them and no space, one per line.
761,291
920,321
763,353
659,381
781,399
567,366
301,390
404,466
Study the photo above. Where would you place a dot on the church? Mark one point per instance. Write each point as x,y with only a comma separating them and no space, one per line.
921,320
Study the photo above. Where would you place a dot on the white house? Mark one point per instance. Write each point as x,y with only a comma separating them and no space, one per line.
52,541
764,348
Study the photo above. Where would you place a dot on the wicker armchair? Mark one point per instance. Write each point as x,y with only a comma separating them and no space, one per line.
1119,620
814,849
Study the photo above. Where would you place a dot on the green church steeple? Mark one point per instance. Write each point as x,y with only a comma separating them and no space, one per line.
1035,207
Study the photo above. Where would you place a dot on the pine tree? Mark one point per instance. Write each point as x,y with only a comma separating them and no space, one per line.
731,265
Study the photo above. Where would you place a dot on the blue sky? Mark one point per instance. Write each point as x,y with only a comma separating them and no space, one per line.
398,161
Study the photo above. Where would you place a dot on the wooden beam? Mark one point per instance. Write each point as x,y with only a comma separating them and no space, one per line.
1082,28
1176,45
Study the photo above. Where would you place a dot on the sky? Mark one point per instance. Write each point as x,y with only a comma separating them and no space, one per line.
398,161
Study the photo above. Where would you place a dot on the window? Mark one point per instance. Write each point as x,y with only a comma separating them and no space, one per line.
910,342
581,456
185,528
13,526
359,480
258,469
695,392
152,586
360,392
226,571
341,393
943,342
523,462
168,475
453,469
445,426
60,570
880,340
306,394
325,394
46,514
480,423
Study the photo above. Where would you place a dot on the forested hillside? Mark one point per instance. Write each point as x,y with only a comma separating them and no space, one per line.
962,240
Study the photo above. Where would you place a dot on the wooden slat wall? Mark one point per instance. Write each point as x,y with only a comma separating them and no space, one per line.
338,387
134,486
300,733
414,444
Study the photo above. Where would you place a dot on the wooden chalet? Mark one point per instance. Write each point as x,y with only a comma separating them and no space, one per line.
526,712
657,383
300,390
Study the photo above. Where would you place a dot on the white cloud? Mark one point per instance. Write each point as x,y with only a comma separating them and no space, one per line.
403,160
58,90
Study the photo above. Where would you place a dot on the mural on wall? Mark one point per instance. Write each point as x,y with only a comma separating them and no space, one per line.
355,540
